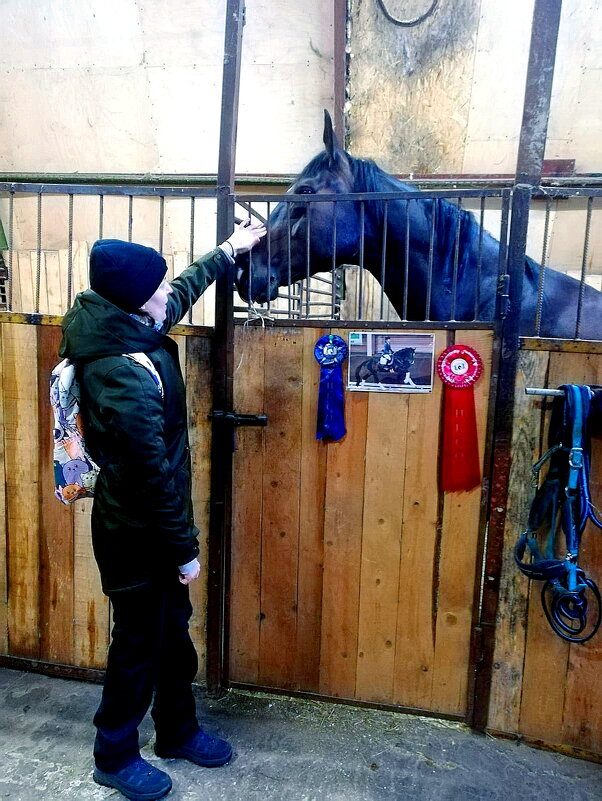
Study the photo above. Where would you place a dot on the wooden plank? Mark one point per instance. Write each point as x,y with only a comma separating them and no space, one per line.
80,267
281,497
311,523
582,711
90,605
458,569
25,282
19,353
199,397
546,654
381,549
54,283
14,289
245,592
345,471
509,654
3,515
56,523
414,644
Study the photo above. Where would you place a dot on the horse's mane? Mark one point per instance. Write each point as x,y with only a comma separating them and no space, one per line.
364,175
369,177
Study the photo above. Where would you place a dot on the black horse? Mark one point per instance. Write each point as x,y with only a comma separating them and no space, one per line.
461,260
400,365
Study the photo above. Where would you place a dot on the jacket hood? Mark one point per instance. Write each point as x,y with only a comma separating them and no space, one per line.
93,327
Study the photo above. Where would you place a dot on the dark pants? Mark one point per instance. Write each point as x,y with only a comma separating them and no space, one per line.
151,650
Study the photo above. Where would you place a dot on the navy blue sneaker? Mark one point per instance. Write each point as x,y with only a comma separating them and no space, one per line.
139,781
202,749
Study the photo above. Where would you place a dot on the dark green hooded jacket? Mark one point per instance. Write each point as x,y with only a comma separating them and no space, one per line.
142,517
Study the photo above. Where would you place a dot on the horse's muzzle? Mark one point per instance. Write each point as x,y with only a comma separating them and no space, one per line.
255,287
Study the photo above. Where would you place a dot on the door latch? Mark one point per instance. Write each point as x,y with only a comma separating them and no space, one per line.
233,420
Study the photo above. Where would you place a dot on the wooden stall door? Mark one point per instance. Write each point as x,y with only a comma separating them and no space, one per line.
352,575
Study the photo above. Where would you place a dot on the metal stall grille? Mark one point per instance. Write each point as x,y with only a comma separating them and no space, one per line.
337,288
567,225
380,283
50,229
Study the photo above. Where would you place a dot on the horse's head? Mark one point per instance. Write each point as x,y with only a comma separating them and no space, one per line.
296,228
403,359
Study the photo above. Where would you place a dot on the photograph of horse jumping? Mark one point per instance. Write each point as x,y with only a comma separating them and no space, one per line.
464,264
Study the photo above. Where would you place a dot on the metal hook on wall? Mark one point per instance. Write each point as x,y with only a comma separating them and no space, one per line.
407,23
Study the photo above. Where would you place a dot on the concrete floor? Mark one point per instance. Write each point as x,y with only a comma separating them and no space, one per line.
285,750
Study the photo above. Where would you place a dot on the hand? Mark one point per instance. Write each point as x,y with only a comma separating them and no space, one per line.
193,570
246,236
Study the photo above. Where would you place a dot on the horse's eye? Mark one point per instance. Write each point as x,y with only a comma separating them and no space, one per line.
304,190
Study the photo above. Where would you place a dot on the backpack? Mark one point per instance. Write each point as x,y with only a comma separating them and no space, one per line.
75,472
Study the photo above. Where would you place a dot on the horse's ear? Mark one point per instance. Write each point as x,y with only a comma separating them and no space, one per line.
330,140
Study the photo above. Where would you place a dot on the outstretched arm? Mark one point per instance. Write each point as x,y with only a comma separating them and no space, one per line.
192,282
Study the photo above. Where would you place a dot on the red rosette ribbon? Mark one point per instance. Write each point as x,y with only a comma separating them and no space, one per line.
459,367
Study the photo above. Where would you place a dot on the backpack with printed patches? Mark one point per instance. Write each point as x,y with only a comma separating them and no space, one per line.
75,472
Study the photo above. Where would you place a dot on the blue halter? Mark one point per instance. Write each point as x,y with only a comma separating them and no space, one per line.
563,501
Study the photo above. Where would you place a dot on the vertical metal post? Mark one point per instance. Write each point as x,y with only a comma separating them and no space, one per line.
221,443
340,67
538,91
536,111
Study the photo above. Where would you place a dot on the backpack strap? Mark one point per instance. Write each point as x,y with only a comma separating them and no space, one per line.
143,360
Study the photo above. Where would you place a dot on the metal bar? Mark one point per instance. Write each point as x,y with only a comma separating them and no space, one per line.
577,191
429,180
360,292
38,256
269,238
191,245
161,222
101,214
334,263
328,281
561,345
11,225
538,391
100,189
399,194
340,67
336,699
220,520
191,238
130,216
70,253
52,669
456,260
406,262
538,91
477,289
498,479
429,279
588,223
315,291
389,325
307,259
542,272
288,251
383,258
504,226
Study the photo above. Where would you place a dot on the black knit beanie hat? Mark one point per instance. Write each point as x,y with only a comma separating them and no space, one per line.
125,273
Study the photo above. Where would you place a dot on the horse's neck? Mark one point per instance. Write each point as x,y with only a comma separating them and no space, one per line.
430,260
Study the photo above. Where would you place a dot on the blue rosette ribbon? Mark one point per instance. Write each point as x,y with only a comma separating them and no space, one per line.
330,352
